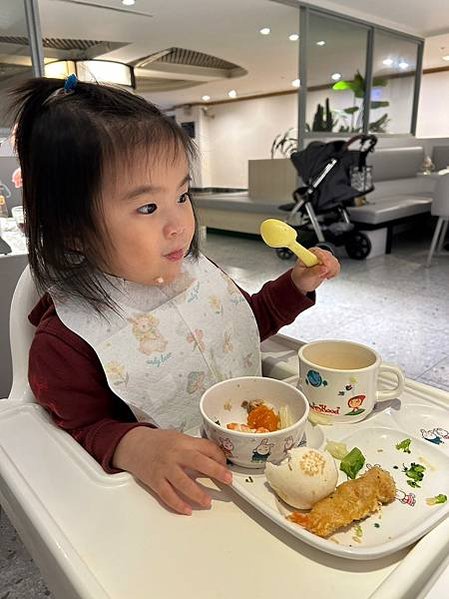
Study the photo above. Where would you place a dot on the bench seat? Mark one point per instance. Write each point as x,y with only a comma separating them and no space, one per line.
390,209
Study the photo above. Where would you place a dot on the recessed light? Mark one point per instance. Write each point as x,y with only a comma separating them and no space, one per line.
232,93
296,82
336,76
321,43
265,31
205,98
403,64
445,57
294,37
387,62
128,2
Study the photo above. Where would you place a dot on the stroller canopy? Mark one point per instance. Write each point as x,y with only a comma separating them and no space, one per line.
336,188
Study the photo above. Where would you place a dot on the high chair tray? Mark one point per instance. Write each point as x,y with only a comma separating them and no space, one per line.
98,536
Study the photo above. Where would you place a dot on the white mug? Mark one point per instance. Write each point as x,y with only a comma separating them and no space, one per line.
340,379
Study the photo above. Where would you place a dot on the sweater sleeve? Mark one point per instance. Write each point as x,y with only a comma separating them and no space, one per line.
277,304
67,379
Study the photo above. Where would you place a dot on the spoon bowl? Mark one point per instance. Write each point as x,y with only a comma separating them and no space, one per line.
277,234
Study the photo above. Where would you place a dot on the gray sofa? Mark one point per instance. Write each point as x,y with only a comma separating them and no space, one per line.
400,195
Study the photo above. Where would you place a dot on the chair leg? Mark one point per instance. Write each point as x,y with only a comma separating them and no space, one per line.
435,238
442,236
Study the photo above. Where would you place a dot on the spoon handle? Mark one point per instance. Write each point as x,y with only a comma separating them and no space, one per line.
306,257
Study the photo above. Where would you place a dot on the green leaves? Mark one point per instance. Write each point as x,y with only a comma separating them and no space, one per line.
404,446
352,462
415,473
437,499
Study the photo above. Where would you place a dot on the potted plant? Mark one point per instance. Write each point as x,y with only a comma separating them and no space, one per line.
356,111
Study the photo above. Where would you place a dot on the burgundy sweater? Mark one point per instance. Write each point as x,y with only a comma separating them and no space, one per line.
68,380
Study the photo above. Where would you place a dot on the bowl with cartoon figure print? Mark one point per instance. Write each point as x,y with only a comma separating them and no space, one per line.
254,419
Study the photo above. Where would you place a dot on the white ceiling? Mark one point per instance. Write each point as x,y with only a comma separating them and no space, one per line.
229,29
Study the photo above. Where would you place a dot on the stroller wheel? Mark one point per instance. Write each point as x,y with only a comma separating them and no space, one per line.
284,253
358,245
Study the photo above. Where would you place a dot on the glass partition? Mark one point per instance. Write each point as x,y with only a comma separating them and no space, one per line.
393,83
336,72
15,53
356,77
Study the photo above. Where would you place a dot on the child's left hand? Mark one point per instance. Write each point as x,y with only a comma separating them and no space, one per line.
308,279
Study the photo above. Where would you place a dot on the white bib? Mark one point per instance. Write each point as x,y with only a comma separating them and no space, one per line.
169,344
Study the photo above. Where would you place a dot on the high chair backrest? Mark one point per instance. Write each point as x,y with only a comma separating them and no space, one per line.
21,334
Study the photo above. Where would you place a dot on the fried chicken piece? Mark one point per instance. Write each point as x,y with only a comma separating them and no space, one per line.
352,500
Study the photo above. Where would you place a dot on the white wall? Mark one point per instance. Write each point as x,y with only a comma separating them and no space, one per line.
231,134
433,114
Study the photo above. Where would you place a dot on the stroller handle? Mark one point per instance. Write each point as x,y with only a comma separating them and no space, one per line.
372,139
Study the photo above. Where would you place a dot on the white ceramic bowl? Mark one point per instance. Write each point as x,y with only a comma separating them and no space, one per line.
222,403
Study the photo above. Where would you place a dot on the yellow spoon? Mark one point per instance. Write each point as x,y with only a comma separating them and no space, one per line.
277,234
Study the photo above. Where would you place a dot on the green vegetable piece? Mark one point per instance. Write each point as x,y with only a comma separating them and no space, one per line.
404,446
415,473
437,499
352,463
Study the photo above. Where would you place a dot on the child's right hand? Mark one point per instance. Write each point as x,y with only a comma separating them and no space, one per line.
160,458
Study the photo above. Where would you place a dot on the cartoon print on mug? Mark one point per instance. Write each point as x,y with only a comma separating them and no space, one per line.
354,403
435,435
349,387
315,379
262,452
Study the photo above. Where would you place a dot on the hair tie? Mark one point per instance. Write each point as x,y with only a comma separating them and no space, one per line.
70,83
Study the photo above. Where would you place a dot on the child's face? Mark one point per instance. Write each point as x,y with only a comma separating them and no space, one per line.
150,221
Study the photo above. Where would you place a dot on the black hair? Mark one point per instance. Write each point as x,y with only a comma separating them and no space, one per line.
64,142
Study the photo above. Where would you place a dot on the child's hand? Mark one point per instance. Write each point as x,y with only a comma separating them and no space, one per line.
308,279
160,458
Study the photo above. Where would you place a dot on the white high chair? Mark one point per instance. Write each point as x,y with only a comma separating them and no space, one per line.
99,536
21,334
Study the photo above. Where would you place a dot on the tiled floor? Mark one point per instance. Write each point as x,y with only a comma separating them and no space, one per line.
392,303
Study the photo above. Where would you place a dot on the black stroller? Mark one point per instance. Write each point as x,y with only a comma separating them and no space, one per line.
333,176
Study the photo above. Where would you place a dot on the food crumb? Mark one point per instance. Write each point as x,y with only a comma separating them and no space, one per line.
227,406
376,525
356,539
380,451
249,479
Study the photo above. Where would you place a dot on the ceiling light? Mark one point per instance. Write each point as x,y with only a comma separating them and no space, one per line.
265,30
205,98
296,82
387,62
128,2
321,43
294,37
445,57
336,76
403,64
232,93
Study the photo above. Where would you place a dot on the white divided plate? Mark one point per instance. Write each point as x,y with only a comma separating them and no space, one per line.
428,422
396,525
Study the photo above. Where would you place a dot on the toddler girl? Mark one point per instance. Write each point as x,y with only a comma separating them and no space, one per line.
134,323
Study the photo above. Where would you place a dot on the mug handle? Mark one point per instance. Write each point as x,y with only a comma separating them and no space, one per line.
391,393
